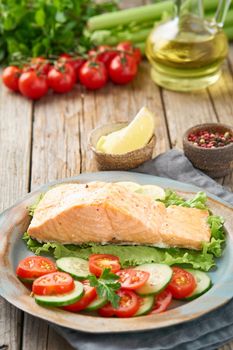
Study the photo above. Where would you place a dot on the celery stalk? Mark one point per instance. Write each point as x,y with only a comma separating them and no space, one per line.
134,14
139,14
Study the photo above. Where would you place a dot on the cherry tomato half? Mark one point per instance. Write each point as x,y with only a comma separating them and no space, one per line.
34,267
123,68
182,283
10,77
89,295
162,301
128,305
132,279
99,262
62,77
33,85
93,75
53,283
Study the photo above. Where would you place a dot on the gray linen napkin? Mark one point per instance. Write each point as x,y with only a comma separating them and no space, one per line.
207,332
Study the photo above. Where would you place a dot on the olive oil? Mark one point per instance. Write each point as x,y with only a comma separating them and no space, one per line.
186,53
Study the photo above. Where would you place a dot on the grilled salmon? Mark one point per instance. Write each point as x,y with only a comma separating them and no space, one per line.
107,213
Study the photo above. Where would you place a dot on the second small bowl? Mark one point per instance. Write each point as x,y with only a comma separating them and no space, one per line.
129,160
215,162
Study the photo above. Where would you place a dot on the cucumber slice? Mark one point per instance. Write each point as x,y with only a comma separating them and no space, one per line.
146,306
62,299
203,283
160,276
96,304
152,191
76,267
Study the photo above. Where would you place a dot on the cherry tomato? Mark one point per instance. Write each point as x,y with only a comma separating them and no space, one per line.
75,62
162,301
123,68
10,77
132,279
62,77
99,262
34,267
40,64
93,75
128,305
182,283
33,85
125,46
137,55
89,295
106,54
53,283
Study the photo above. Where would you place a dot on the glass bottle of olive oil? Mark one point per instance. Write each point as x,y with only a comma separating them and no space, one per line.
186,52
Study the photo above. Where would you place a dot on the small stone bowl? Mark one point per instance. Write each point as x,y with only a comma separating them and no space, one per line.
129,160
215,162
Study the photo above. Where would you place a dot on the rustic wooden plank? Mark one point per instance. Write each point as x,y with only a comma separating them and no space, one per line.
55,154
15,143
185,110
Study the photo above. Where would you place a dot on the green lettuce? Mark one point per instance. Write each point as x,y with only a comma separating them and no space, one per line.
137,255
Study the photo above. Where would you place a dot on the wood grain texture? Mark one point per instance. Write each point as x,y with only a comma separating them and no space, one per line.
15,143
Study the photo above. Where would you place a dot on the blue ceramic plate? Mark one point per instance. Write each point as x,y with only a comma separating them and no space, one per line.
14,223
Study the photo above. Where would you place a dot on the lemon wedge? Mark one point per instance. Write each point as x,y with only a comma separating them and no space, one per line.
131,186
134,136
153,191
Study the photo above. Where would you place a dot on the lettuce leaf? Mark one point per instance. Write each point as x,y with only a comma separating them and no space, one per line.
137,255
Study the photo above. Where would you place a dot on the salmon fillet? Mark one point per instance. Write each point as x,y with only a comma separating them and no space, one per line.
106,213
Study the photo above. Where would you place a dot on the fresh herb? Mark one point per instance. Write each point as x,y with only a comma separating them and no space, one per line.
106,286
46,27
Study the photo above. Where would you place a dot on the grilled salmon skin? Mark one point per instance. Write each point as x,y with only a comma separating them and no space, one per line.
106,213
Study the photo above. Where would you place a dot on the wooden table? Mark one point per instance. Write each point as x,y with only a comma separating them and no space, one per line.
48,139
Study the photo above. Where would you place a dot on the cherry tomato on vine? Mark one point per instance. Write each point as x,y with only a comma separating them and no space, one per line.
33,85
137,55
182,283
128,305
123,68
62,77
40,64
10,77
99,262
75,62
35,266
125,46
53,283
105,54
132,279
162,301
93,75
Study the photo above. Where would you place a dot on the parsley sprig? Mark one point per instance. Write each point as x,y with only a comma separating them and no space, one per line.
106,286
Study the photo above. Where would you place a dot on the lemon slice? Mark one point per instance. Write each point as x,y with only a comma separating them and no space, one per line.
134,136
152,191
131,186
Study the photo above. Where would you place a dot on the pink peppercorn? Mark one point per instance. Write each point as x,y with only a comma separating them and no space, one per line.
206,139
